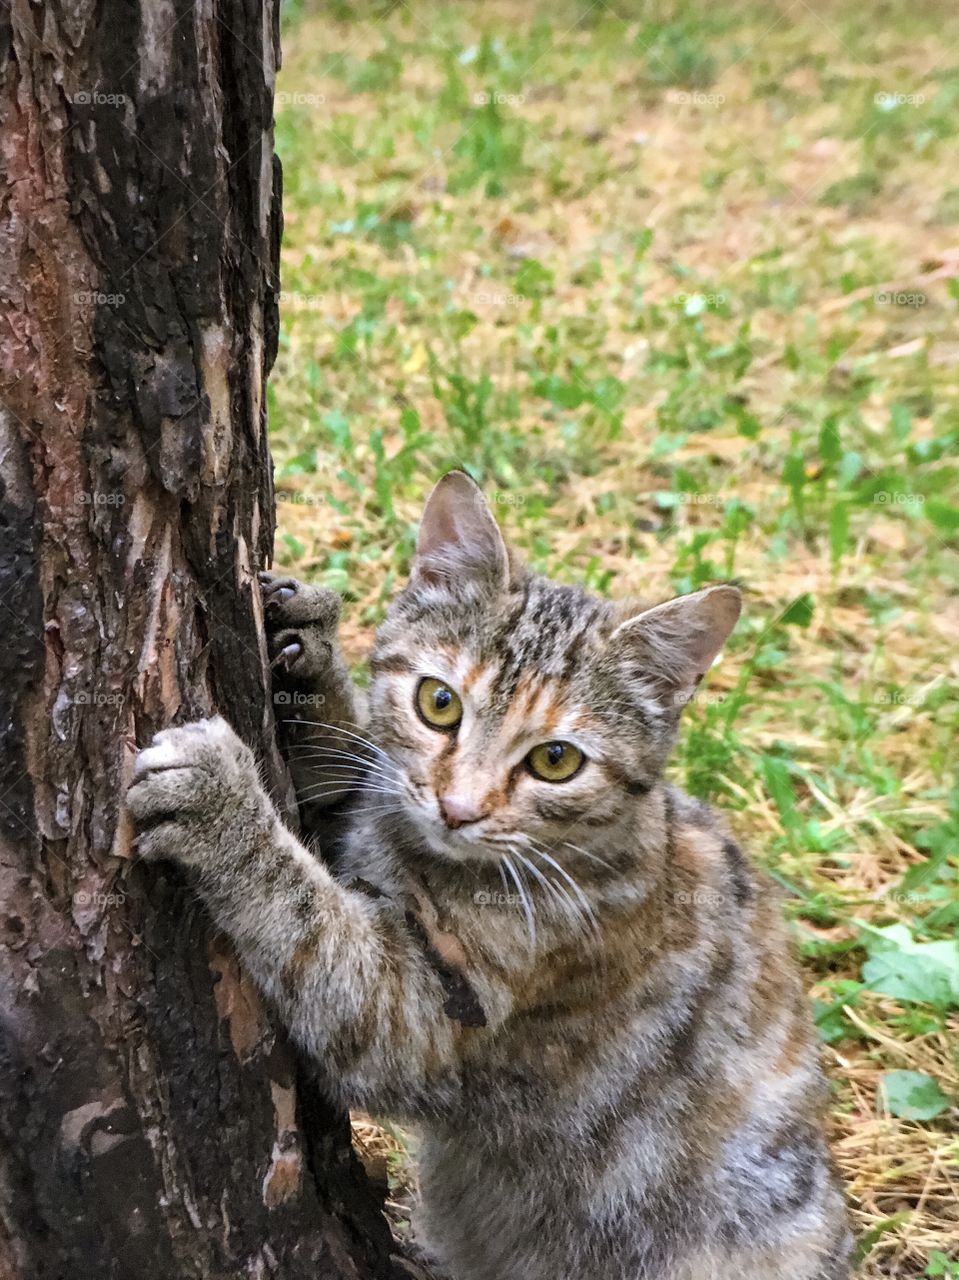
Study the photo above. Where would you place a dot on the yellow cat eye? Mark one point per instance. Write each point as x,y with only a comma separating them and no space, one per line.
438,705
554,761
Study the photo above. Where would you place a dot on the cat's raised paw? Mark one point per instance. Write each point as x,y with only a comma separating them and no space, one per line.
194,792
301,623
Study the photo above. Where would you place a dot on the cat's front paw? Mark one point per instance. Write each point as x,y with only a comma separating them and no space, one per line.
301,622
195,794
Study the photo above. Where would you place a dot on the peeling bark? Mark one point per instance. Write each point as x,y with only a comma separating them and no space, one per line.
153,1122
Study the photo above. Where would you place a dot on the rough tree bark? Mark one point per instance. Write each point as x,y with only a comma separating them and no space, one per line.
153,1123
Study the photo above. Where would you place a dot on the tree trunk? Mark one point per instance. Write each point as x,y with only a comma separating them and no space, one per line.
154,1123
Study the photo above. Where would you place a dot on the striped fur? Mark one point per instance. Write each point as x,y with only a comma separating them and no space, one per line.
585,999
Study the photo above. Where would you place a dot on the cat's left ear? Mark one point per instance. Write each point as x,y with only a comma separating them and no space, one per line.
459,541
673,645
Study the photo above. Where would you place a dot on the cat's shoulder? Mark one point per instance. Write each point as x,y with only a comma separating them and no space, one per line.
702,837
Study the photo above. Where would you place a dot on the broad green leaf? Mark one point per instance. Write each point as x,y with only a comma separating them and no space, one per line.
900,967
912,1095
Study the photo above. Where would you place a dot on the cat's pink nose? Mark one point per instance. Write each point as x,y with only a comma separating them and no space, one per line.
458,811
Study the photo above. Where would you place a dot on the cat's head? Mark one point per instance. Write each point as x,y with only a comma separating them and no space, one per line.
518,710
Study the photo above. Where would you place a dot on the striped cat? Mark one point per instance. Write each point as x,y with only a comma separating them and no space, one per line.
558,967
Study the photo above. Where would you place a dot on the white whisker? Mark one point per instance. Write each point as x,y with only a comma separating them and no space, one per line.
344,766
587,906
338,728
502,876
334,785
524,899
592,856
555,891
318,748
315,748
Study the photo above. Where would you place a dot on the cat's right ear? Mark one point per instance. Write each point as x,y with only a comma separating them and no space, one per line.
671,646
459,541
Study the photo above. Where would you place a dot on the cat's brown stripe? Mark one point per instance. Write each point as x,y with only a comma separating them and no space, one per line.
304,955
477,670
392,664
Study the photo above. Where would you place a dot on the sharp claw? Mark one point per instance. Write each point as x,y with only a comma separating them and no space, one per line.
280,596
288,655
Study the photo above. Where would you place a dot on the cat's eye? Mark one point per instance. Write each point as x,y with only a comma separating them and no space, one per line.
555,761
438,705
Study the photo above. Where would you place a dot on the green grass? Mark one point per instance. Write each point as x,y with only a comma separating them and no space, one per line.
680,289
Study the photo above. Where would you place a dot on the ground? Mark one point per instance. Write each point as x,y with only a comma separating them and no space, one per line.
679,286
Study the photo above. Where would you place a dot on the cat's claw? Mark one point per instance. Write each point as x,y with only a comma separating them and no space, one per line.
277,597
295,603
288,656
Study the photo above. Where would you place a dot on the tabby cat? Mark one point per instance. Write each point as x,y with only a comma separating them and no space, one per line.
554,964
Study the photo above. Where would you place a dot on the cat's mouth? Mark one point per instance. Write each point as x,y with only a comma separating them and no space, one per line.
455,845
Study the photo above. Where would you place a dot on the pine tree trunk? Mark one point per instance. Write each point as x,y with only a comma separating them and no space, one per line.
153,1122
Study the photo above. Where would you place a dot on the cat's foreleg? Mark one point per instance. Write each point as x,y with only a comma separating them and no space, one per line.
319,712
350,979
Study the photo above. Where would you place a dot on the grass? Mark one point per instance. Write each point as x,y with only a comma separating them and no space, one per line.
680,288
